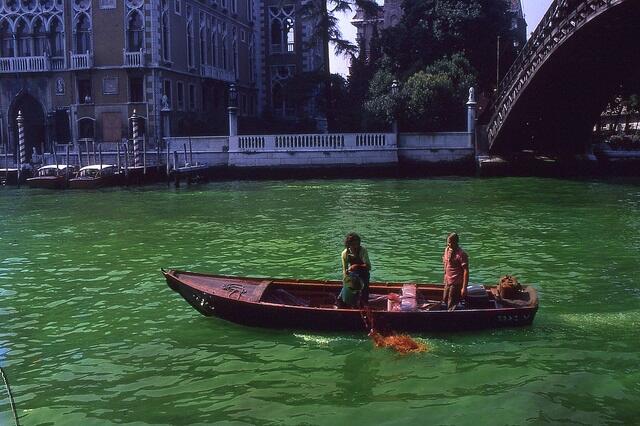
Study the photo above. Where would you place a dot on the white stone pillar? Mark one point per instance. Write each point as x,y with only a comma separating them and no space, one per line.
233,110
471,111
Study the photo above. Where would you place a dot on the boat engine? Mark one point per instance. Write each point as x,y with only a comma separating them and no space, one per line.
477,297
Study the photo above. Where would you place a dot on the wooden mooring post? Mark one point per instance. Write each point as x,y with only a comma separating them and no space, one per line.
67,168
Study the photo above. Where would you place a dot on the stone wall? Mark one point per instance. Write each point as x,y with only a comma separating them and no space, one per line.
313,150
427,148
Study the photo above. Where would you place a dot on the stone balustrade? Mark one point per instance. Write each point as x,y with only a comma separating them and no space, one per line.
25,64
133,59
81,60
217,73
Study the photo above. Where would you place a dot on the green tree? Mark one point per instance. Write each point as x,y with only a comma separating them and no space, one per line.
431,29
432,99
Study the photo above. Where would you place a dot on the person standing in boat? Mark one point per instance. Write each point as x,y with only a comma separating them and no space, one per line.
456,272
355,271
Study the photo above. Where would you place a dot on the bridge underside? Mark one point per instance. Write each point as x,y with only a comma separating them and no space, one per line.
557,110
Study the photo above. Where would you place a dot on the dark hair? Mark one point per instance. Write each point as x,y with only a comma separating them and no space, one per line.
453,237
352,237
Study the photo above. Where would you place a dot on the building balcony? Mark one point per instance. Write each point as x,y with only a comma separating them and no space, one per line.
31,64
81,61
217,73
133,59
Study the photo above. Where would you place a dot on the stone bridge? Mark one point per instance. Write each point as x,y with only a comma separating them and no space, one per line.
580,55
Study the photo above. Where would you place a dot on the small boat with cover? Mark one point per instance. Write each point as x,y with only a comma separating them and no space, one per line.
52,176
310,304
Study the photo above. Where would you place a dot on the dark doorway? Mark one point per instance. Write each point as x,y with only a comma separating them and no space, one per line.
34,124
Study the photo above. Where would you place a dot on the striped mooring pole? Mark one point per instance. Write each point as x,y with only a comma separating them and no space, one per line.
136,142
21,143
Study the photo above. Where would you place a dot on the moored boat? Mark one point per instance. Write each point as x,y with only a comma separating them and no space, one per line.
310,304
52,176
96,176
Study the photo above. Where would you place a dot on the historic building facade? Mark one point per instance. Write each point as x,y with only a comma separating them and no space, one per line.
77,69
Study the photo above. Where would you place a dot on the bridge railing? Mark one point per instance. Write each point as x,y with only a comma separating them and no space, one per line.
561,20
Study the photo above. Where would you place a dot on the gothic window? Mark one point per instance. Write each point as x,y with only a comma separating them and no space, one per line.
164,29
281,102
23,39
56,38
180,90
224,52
6,46
203,46
135,32
40,44
252,77
213,48
190,48
234,51
82,33
282,21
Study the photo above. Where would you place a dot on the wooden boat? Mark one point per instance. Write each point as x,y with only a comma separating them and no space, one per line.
96,176
310,304
52,176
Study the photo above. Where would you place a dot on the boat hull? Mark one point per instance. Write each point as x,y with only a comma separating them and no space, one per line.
48,182
330,318
94,182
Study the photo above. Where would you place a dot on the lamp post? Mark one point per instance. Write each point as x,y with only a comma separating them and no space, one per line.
233,110
394,95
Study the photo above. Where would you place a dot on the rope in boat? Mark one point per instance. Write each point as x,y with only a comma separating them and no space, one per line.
13,405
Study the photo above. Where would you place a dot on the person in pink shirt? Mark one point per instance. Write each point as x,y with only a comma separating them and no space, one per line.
456,272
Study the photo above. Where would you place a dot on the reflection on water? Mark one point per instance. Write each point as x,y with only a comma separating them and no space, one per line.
92,335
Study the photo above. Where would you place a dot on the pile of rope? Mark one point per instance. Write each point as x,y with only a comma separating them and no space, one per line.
509,287
401,343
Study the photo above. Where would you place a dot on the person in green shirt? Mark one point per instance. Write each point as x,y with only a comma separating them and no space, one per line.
355,271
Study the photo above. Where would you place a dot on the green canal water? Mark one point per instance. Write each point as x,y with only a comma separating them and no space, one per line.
91,335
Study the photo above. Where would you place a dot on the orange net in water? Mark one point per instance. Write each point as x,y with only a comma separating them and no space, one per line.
401,343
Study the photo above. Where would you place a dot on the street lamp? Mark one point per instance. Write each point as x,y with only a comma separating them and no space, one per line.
394,87
394,94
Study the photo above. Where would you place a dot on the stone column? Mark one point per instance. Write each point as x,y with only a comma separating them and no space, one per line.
233,110
136,141
471,115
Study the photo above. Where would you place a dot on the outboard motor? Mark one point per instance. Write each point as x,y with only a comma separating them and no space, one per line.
477,297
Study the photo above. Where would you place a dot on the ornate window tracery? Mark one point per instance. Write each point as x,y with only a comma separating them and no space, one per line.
282,22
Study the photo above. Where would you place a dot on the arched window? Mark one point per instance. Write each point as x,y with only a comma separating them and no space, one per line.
214,51
82,34
56,38
234,52
165,36
282,21
6,42
203,45
225,63
23,39
276,34
135,32
40,42
190,48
